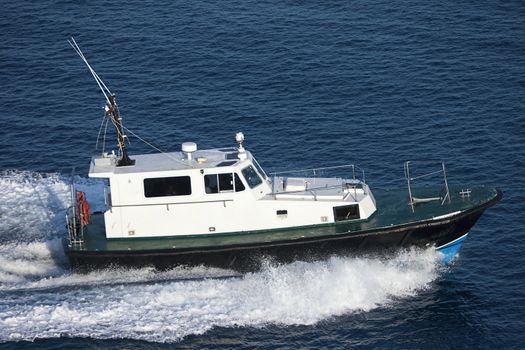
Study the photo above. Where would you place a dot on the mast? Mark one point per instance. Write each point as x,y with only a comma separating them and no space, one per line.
111,108
113,113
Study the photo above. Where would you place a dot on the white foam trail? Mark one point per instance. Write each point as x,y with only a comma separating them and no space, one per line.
32,223
23,262
298,293
32,205
63,278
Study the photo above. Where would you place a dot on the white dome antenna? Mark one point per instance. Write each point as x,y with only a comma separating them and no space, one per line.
188,148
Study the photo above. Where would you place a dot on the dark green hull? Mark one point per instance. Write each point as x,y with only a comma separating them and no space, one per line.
393,226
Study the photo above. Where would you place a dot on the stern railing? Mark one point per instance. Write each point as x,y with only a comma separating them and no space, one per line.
74,221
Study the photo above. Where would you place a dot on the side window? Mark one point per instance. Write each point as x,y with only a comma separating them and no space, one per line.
216,183
251,176
167,186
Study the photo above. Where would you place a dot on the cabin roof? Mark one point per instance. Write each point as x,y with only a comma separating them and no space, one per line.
104,166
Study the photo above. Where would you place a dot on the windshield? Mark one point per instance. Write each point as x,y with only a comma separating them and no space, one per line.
251,176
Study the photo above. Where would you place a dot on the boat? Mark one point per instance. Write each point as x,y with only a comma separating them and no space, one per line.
219,208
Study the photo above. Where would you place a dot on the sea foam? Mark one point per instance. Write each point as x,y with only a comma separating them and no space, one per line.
169,307
32,205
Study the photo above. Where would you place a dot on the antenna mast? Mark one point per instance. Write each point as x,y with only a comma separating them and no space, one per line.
113,113
111,109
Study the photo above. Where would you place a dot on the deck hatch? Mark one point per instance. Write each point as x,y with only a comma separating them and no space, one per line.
346,212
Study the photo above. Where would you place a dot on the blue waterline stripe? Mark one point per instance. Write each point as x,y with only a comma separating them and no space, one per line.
456,241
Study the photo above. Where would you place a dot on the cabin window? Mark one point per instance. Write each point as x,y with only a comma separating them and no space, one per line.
346,212
251,176
167,186
216,183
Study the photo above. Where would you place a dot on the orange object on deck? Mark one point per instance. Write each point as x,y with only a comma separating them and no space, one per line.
83,208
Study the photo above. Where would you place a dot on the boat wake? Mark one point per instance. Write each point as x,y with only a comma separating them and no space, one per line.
32,205
42,299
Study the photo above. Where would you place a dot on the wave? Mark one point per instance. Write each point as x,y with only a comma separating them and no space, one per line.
165,310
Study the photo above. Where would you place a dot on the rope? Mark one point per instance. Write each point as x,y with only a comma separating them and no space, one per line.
156,148
100,131
104,139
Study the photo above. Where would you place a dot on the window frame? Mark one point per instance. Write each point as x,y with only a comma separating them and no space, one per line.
234,177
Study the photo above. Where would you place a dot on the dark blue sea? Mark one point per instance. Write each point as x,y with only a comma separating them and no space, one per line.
310,83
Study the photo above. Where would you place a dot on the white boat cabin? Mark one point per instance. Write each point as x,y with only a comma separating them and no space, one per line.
223,190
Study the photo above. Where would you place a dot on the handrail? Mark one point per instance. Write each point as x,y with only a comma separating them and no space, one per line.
172,203
309,189
313,189
316,170
312,169
412,201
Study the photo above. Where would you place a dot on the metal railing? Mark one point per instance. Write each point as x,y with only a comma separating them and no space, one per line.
444,195
316,173
74,220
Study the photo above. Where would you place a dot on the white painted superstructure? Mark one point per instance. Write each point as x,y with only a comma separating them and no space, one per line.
213,191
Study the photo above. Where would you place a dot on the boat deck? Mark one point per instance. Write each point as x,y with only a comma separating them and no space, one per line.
392,210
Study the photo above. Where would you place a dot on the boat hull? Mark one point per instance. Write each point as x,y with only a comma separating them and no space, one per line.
446,233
